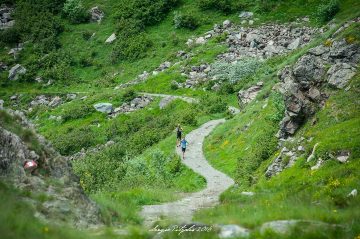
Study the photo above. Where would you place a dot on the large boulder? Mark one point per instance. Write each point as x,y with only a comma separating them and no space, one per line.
339,74
233,231
104,107
15,71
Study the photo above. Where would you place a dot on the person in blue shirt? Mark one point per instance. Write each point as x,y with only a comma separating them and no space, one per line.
183,144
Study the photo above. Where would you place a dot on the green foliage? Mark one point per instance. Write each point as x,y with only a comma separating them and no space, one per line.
76,111
212,104
225,6
129,95
75,12
327,10
37,23
185,20
234,72
10,36
132,48
149,12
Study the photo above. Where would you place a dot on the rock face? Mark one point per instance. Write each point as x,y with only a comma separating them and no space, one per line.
246,96
104,107
15,71
96,14
6,20
301,84
65,198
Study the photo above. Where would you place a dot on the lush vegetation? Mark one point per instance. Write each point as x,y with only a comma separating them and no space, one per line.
62,47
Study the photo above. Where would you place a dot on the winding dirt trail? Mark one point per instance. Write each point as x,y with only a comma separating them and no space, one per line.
182,210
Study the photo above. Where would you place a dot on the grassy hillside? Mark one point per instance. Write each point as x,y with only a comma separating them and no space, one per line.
140,167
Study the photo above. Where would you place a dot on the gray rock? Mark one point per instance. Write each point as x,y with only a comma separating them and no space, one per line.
251,22
246,15
200,40
55,101
166,101
111,38
279,227
15,71
71,96
318,164
1,104
104,107
339,74
353,193
246,96
343,156
295,44
226,24
96,14
248,193
308,70
233,231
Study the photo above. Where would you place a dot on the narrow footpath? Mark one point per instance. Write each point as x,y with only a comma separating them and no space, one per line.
182,210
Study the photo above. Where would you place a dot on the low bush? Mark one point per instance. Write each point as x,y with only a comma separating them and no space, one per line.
234,72
75,12
132,48
212,104
225,6
185,20
76,111
328,10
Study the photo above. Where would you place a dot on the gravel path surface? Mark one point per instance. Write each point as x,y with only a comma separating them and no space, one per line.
182,210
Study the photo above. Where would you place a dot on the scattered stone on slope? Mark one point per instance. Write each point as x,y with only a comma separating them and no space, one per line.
96,14
15,71
226,24
135,104
318,164
1,104
104,107
3,66
233,231
246,15
246,96
166,101
46,101
111,38
279,163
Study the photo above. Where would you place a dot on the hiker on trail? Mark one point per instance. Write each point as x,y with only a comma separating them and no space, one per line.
183,143
178,134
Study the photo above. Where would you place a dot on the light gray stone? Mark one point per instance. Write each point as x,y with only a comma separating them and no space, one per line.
104,107
340,74
15,71
246,15
111,38
233,231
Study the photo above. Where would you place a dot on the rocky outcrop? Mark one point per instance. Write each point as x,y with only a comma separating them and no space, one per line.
6,20
248,95
285,159
53,178
302,84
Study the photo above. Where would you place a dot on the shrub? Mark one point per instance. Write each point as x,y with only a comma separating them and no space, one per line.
76,111
225,6
189,118
185,20
75,12
213,104
10,36
128,95
327,11
132,48
148,12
